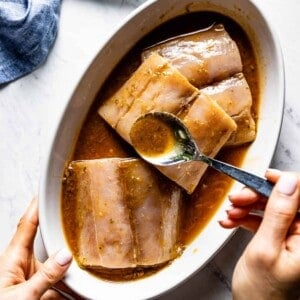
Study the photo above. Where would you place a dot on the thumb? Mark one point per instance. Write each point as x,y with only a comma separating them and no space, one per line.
49,273
280,211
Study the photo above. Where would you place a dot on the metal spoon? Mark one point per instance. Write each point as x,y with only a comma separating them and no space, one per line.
185,150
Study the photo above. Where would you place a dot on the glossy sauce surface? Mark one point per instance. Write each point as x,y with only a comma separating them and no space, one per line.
98,140
151,137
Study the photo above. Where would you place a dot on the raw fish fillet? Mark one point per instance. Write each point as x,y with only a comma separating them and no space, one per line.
234,96
210,127
203,56
155,86
127,214
162,88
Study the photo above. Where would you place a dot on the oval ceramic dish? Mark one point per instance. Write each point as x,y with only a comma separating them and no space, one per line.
212,238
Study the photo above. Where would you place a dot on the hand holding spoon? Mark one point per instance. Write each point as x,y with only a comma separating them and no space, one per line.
162,139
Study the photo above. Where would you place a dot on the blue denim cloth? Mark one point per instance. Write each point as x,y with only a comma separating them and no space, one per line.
27,31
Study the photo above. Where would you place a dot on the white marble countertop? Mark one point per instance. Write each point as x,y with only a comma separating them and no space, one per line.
31,105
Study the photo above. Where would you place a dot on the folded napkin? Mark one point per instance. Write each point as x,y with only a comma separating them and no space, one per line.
27,31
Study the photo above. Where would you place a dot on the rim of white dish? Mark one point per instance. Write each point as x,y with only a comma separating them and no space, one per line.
168,278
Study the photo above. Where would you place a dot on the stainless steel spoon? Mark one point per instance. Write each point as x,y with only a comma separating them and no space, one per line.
185,150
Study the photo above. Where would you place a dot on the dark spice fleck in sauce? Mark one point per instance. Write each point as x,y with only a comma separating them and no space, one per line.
98,140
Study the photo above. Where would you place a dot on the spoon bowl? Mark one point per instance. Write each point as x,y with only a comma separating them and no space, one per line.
176,145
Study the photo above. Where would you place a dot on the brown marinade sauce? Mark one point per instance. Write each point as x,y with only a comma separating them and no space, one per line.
98,140
152,137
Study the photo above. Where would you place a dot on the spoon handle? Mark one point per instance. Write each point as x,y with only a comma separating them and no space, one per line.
255,182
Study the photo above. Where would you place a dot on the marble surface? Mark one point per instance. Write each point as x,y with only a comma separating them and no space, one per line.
31,106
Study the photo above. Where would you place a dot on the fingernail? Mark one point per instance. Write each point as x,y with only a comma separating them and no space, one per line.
287,184
31,211
229,208
63,256
233,193
222,216
274,171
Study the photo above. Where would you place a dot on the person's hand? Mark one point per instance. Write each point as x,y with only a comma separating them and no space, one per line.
22,276
269,268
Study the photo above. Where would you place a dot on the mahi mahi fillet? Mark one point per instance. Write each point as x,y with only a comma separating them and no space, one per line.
234,96
202,57
127,214
158,86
